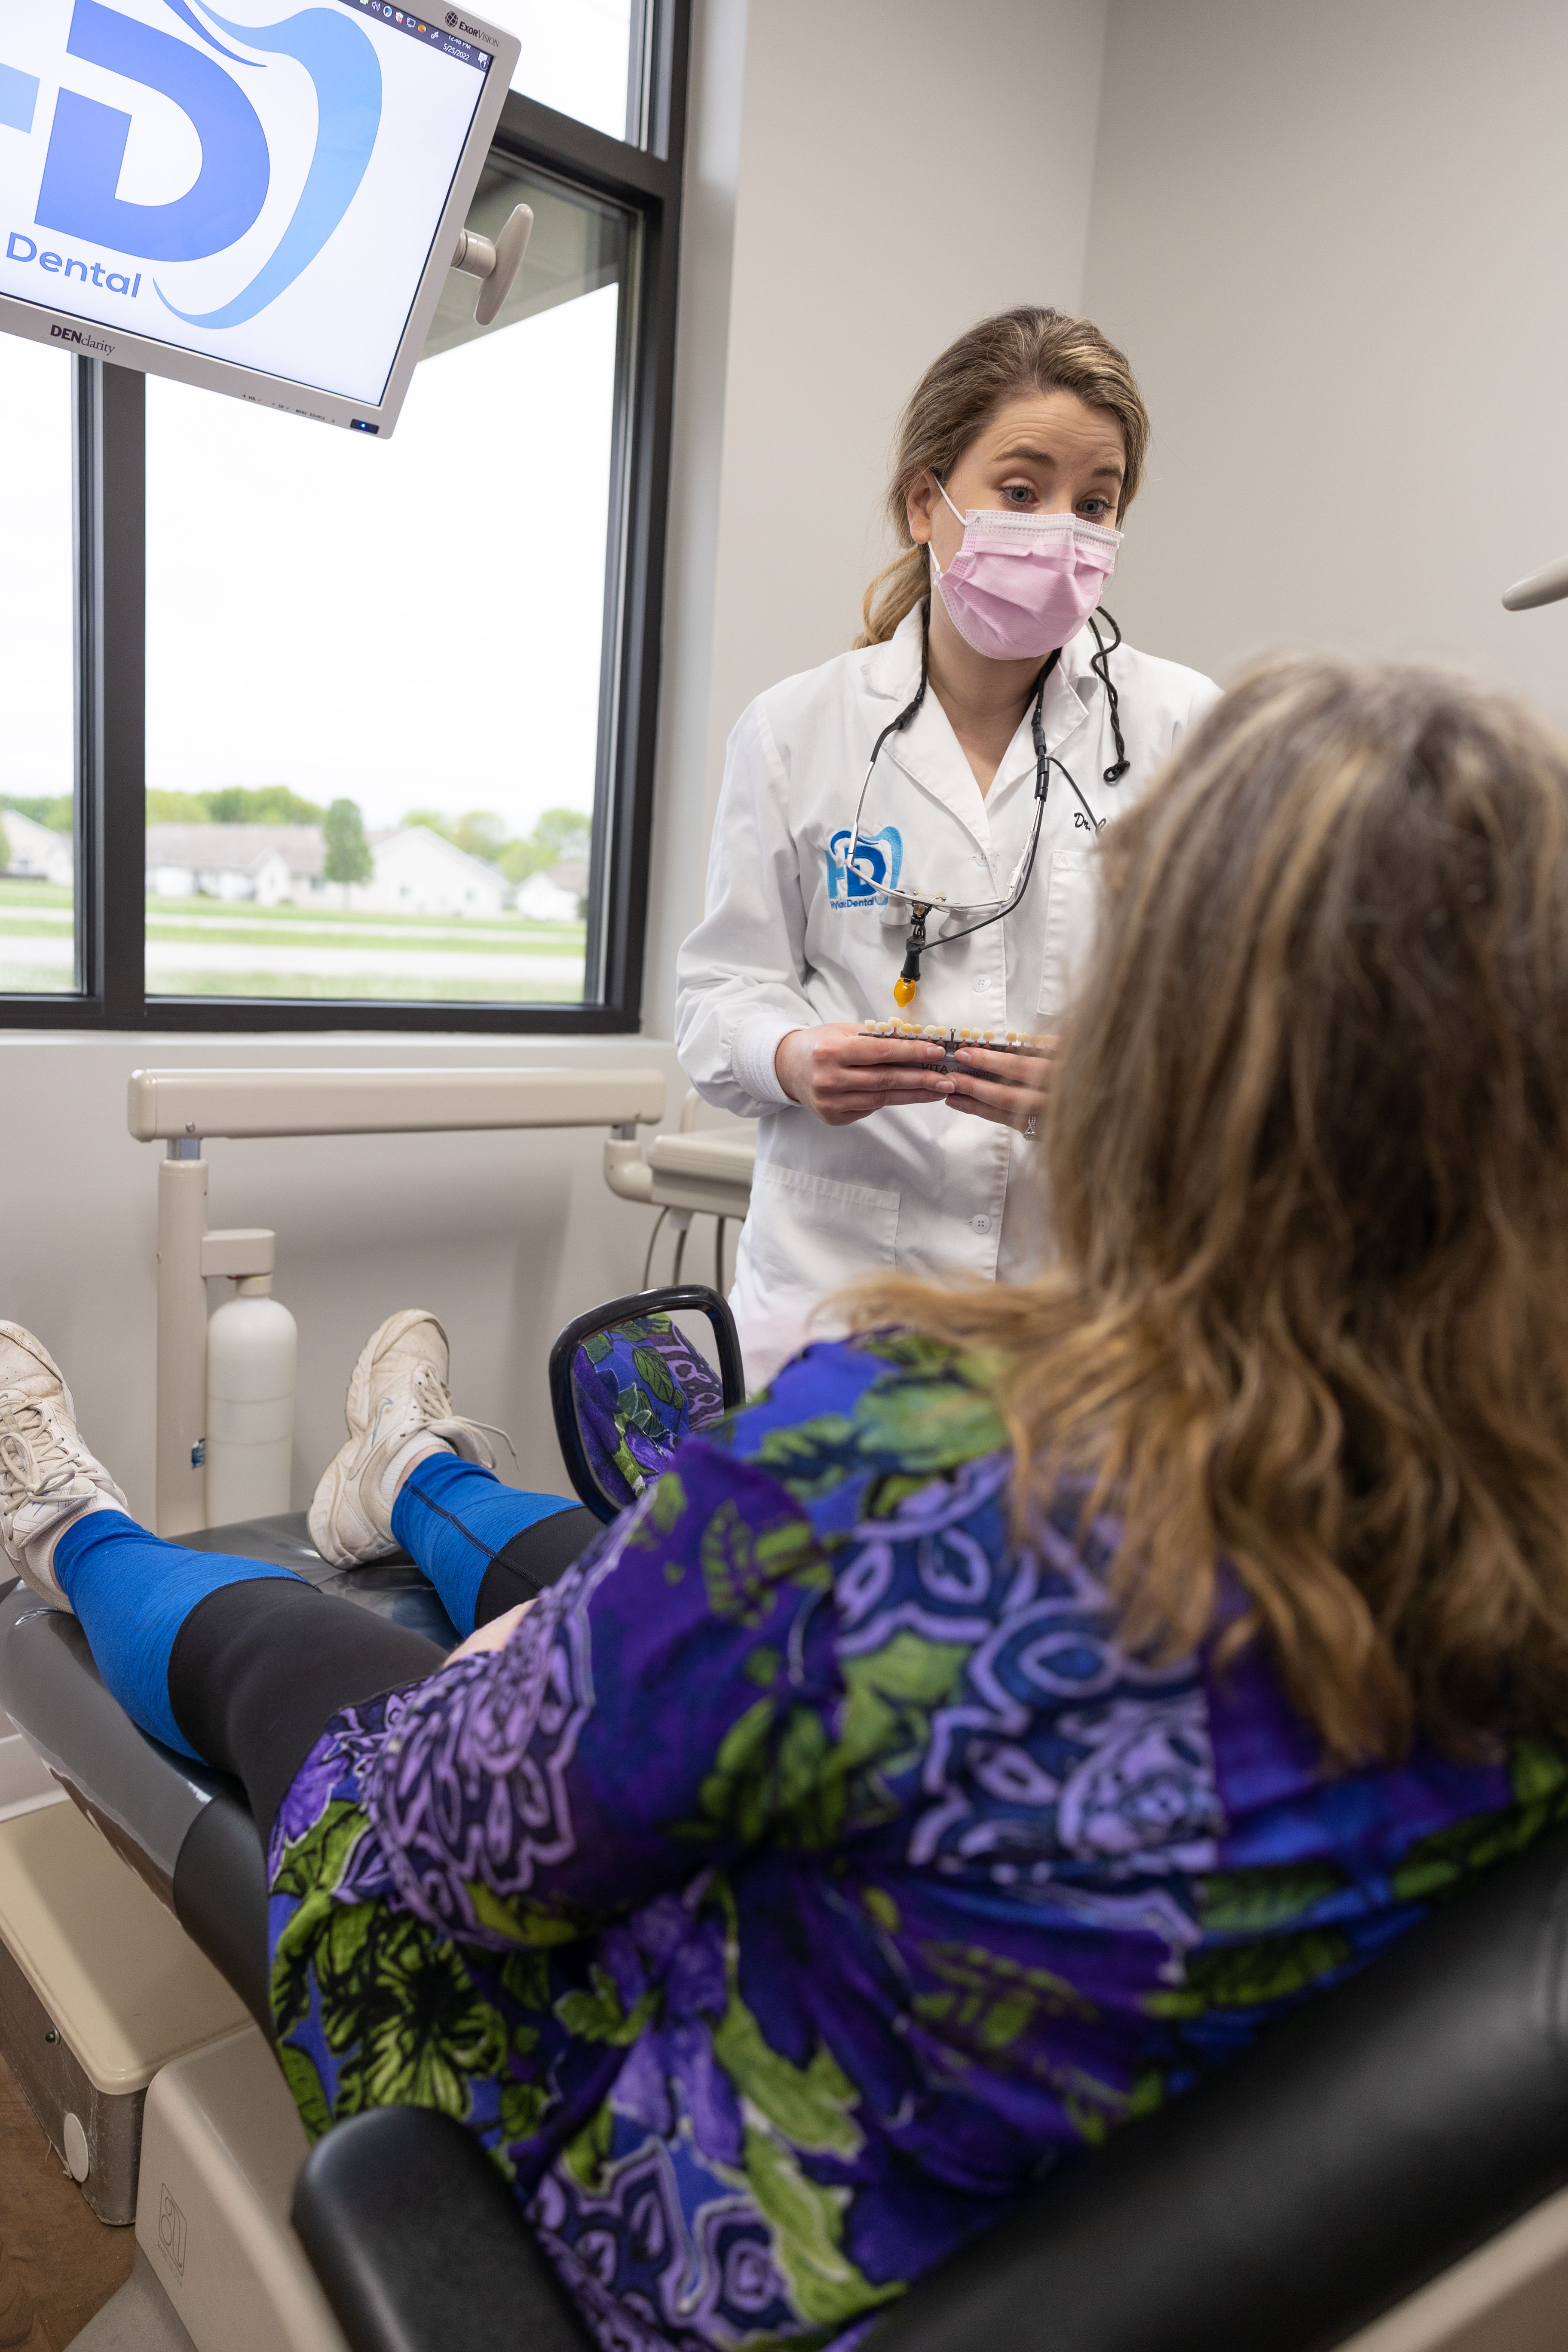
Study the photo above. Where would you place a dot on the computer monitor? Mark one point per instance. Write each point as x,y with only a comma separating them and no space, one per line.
262,198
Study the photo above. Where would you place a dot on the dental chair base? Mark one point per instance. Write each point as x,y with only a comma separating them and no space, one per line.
100,1985
221,2145
98,1989
26,1781
96,2134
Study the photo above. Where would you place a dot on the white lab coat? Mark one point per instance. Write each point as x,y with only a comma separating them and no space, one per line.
789,940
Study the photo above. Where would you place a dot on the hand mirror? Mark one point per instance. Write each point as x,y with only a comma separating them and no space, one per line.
630,1379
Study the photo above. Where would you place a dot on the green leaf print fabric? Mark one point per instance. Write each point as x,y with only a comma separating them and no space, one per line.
813,1869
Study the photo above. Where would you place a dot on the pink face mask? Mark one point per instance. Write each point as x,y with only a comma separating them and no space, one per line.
1022,585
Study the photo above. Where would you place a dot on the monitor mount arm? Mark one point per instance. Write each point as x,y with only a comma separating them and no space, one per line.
497,264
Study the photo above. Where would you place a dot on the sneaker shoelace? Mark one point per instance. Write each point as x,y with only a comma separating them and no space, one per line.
434,1402
34,1462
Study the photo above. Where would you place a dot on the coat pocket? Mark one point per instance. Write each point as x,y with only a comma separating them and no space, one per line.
1072,912
816,1233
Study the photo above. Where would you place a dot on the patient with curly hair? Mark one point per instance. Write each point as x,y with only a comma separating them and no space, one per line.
1003,1719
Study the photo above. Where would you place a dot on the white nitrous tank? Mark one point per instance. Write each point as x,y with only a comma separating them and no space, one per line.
252,1346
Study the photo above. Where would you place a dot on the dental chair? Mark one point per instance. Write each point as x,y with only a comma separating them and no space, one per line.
1387,2171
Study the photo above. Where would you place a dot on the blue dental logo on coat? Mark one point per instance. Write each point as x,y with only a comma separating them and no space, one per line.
879,858
78,197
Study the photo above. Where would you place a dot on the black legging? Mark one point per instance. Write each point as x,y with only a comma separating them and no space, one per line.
258,1670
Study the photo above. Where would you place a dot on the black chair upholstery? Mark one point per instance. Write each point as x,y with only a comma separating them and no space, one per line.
1368,2143
220,1898
1372,2139
418,2244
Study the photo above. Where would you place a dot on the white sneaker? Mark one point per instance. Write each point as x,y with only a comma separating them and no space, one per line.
47,1478
397,1398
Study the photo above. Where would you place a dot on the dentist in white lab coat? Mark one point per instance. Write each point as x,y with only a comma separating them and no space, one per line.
1017,457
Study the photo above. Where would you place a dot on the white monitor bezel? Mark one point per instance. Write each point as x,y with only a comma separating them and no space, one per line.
80,338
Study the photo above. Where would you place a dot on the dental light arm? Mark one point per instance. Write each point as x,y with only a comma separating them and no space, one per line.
1543,587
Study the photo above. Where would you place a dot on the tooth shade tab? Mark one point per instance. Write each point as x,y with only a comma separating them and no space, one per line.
1016,1041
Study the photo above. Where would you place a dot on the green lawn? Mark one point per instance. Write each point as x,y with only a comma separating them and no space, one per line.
209,920
550,940
34,894
394,946
381,988
205,914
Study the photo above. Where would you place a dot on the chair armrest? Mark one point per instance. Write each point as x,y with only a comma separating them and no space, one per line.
419,2244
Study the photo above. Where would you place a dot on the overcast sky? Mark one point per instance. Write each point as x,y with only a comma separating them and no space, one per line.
35,722
573,55
413,623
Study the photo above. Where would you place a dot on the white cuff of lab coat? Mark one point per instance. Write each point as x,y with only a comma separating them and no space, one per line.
752,1057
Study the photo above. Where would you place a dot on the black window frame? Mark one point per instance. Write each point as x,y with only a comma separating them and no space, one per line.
643,175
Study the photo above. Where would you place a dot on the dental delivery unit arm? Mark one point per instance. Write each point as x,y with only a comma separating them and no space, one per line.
180,1107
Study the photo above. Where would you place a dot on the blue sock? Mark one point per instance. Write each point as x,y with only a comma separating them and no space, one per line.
132,1593
453,1518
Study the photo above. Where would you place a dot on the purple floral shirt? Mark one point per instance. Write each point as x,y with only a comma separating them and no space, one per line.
813,1870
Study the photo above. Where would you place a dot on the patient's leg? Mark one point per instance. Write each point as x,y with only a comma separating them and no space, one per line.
257,1669
243,1665
484,1547
227,1659
222,1658
413,1471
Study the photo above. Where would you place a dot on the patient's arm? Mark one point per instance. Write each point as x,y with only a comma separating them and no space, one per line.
494,1636
643,1719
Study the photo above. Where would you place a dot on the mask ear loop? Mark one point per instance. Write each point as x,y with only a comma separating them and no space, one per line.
1101,665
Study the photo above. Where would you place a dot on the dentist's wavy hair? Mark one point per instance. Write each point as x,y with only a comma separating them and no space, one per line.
1005,358
1308,1165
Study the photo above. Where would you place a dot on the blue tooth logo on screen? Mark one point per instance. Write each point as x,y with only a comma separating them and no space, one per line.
18,99
881,853
80,195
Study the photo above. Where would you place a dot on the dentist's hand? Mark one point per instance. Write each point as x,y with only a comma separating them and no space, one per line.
843,1076
1009,1089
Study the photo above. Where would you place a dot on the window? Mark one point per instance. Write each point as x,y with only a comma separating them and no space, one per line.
586,60
407,815
37,683
363,732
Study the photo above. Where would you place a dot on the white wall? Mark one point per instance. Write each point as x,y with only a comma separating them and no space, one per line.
701,377
504,1236
903,168
1331,239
